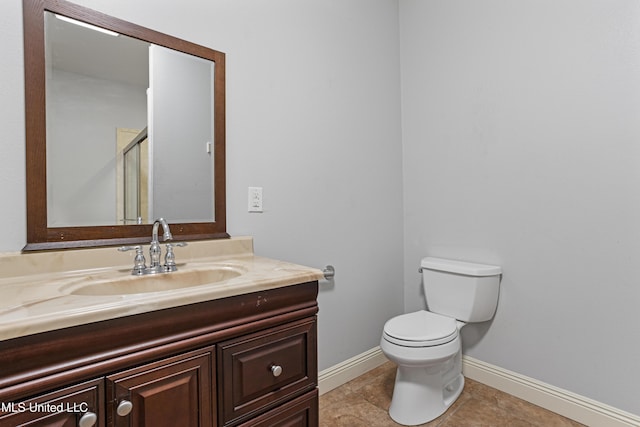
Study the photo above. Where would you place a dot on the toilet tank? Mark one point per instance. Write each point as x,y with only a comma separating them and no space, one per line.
463,290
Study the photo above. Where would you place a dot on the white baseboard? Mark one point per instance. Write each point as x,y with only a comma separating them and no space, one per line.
352,368
563,402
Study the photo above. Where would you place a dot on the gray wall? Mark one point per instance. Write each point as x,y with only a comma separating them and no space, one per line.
521,128
13,214
82,119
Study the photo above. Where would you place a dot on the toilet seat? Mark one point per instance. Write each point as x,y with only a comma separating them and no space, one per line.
420,329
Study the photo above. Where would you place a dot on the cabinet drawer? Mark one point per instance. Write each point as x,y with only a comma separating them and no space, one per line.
62,408
300,412
261,370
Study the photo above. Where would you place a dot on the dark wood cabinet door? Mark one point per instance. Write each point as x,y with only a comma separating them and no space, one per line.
61,408
177,391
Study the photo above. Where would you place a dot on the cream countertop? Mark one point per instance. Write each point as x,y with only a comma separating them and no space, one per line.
37,290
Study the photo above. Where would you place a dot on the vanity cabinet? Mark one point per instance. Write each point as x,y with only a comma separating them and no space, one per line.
246,360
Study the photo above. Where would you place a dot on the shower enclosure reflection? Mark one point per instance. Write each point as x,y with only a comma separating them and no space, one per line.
132,171
132,209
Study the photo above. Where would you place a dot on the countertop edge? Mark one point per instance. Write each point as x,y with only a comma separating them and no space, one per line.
60,312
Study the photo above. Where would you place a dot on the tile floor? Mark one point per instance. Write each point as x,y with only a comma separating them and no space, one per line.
364,402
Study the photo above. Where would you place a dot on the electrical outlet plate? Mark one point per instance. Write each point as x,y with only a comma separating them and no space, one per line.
255,199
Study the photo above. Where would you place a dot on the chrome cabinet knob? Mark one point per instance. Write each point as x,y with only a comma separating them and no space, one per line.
87,420
124,408
276,370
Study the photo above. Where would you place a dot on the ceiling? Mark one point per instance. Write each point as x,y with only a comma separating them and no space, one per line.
91,53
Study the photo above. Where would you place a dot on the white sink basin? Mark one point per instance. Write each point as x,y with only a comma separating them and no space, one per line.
159,282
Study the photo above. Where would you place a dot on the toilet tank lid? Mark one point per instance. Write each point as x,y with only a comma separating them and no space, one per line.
460,267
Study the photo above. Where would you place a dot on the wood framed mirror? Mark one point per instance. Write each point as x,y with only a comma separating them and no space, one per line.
69,177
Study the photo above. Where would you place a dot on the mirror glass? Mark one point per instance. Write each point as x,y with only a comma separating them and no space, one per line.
104,90
124,125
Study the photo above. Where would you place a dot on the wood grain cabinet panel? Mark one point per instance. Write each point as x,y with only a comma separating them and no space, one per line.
300,412
172,392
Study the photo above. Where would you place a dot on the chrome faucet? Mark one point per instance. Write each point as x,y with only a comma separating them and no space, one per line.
155,252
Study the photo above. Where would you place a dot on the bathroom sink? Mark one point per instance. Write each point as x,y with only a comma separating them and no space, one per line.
159,282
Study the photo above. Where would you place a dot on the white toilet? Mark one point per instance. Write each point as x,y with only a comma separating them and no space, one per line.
426,344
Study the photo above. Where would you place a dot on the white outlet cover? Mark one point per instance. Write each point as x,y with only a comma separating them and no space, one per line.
255,199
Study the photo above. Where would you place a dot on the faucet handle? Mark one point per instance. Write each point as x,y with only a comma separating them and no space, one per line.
139,263
170,257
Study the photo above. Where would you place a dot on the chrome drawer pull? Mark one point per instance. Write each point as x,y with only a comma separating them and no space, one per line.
276,370
87,420
124,408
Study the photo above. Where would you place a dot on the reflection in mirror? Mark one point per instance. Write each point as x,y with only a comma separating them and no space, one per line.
99,83
132,125
181,136
132,175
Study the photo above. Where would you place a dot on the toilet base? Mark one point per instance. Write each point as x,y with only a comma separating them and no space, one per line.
420,396
425,387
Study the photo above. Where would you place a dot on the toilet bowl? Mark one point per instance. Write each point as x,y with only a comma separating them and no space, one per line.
429,376
426,345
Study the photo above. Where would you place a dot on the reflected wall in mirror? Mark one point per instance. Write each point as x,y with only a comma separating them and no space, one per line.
122,128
